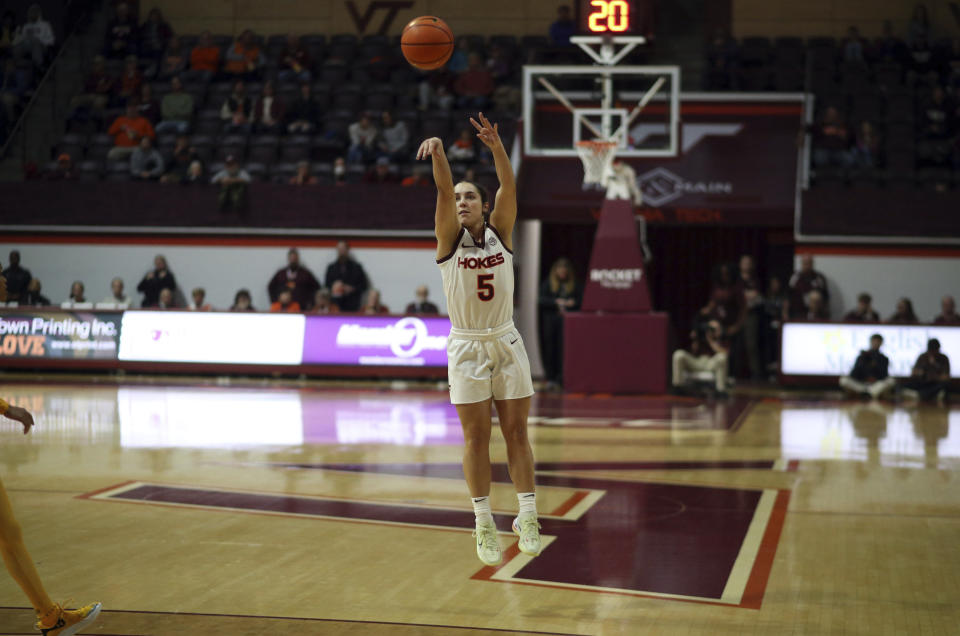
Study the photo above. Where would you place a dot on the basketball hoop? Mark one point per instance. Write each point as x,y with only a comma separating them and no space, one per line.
597,157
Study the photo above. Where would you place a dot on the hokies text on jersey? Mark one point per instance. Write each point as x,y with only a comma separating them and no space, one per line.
471,262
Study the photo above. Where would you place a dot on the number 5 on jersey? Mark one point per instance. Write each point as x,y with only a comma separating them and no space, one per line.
484,287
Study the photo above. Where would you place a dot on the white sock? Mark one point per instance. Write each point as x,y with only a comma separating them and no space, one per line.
481,510
528,504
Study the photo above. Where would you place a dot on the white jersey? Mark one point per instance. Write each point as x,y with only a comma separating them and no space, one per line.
478,281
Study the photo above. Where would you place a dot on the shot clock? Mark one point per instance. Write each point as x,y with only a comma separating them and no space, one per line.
609,17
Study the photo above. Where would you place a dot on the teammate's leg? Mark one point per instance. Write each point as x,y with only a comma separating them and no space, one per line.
476,423
18,560
513,423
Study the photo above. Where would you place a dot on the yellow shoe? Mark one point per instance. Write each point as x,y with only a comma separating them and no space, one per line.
61,622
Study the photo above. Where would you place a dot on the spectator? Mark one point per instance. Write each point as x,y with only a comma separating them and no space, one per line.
147,105
176,109
904,314
831,140
349,273
921,59
726,304
244,58
816,307
304,113
373,304
869,375
776,309
130,79
863,312
363,137
179,161
462,149
558,295
421,305
948,312
295,278
380,172
419,177
194,173
866,148
721,61
127,131
339,171
888,47
852,47
393,139
805,281
65,170
747,343
117,297
76,294
33,297
937,125
234,182
707,353
199,295
434,90
919,27
8,30
294,61
285,303
204,58
474,86
458,59
930,377
34,38
303,176
154,35
323,303
236,109
166,299
98,89
156,280
268,112
563,27
146,162
17,277
242,302
121,36
13,88
173,62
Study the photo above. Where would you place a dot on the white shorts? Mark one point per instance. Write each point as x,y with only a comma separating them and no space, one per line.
488,363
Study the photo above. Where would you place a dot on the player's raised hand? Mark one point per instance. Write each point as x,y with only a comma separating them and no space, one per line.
486,132
429,147
21,415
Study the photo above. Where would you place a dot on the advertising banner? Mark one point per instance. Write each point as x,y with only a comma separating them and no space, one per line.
829,349
376,340
60,334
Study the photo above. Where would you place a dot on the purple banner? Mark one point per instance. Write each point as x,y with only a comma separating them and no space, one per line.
409,341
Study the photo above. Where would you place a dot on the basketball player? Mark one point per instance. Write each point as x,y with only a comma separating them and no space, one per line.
52,619
487,359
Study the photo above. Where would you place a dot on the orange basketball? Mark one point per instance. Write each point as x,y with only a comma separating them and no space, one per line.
427,42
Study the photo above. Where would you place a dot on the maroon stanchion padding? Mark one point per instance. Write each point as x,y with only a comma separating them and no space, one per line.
616,281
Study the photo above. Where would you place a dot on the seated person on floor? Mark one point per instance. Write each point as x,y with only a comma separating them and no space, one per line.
708,353
930,377
870,375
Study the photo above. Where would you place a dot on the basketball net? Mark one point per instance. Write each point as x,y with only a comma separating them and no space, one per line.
597,157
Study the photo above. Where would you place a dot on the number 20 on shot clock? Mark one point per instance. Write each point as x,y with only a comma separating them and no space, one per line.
606,17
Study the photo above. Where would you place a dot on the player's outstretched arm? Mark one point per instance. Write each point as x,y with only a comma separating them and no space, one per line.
446,226
504,214
19,414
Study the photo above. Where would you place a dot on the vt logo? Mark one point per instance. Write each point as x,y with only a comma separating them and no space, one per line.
391,8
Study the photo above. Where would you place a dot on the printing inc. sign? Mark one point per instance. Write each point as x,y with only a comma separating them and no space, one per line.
59,334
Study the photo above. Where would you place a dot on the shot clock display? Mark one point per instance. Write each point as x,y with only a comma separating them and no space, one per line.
608,17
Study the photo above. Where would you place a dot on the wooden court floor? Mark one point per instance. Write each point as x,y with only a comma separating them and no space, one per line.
272,509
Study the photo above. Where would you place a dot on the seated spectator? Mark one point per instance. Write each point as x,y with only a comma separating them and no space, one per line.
831,140
462,149
558,295
176,110
474,86
154,34
294,61
351,276
117,297
146,162
373,304
888,47
866,148
869,375
721,61
803,282
13,88
33,297
166,300
339,171
127,131
121,35
195,174
65,170
323,303
363,138
204,58
242,302
921,59
76,294
380,172
421,305
948,312
563,27
244,58
393,139
285,303
304,112
148,106
198,303
434,90
179,160
34,38
173,62
707,353
726,304
459,59
746,345
852,48
419,177
937,124
303,176
18,277
904,314
776,309
863,312
98,89
269,111
236,110
156,280
8,30
234,182
930,377
816,308
296,279
130,79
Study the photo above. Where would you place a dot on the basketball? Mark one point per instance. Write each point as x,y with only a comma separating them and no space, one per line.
427,42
